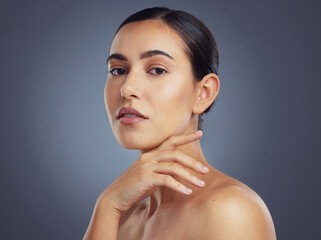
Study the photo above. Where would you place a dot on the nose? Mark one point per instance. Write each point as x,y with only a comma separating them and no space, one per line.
129,88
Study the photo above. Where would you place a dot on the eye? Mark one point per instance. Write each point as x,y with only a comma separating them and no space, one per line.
119,71
158,71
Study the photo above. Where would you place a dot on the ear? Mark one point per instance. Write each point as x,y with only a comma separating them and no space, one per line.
207,90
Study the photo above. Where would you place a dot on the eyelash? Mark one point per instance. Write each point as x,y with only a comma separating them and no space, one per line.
111,71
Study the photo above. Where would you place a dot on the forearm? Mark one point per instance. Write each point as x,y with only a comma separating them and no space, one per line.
104,222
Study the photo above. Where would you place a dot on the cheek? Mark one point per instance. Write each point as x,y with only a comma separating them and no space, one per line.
174,100
110,96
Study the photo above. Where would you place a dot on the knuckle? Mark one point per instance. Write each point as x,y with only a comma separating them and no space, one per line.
167,179
171,141
191,176
195,162
145,156
178,167
145,166
180,170
172,165
175,154
188,174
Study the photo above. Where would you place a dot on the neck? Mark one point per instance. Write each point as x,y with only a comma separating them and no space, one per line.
165,196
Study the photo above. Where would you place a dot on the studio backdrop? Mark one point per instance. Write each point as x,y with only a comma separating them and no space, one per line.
58,152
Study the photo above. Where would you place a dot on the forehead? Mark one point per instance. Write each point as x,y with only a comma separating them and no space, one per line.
136,37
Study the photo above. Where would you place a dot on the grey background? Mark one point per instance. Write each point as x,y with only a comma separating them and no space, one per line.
58,152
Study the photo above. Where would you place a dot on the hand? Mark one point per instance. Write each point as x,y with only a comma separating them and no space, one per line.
153,169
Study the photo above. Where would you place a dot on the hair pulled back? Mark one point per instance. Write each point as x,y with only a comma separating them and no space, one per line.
202,50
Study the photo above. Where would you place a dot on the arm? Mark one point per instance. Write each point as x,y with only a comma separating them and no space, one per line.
104,222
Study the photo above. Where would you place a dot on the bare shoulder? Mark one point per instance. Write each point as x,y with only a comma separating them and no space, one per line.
232,210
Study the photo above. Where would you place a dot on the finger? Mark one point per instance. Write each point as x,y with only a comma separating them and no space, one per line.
170,182
178,170
181,158
178,140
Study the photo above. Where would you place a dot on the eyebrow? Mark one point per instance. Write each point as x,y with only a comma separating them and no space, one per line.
143,55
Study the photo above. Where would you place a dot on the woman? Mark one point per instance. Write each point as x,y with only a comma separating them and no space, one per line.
162,78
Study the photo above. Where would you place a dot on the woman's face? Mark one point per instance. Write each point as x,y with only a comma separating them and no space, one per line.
159,87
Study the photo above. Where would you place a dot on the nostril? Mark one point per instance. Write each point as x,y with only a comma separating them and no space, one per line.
128,92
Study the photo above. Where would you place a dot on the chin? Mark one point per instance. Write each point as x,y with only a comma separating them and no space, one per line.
138,141
137,146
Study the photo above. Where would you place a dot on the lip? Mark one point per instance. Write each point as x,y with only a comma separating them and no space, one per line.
129,110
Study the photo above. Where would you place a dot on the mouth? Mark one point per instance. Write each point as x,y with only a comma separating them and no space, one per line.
129,115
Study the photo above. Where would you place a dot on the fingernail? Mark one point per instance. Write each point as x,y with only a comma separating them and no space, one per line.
201,182
187,190
205,169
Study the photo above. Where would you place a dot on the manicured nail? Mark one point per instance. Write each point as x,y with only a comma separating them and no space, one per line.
205,169
201,182
187,190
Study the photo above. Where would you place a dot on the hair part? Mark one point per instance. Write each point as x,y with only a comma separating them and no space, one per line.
201,46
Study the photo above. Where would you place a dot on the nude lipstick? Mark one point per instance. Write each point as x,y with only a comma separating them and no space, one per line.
129,115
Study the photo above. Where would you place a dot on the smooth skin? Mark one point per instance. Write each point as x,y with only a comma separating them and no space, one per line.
171,158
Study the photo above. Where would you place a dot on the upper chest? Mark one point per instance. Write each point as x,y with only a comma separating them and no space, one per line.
171,225
178,222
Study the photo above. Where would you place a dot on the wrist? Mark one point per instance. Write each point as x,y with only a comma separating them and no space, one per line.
104,222
105,204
